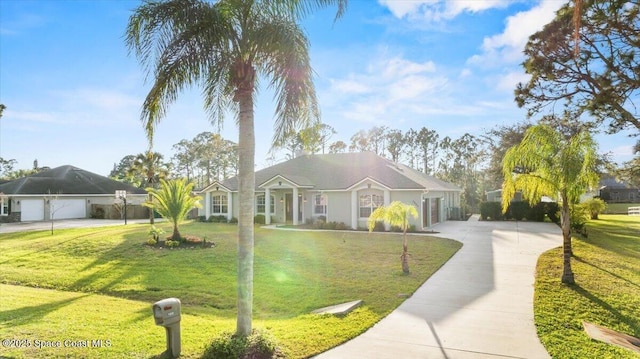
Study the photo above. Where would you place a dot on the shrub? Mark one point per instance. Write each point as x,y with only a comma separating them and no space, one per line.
492,210
330,225
319,223
156,232
579,214
98,213
151,242
259,219
411,229
202,218
259,345
218,219
519,210
552,210
379,227
171,244
233,220
595,206
341,226
537,212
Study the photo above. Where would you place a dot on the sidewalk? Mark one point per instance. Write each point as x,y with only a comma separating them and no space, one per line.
478,305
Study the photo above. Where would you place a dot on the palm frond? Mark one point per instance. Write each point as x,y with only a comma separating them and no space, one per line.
283,56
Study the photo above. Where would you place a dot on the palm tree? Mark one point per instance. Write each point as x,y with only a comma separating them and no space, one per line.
224,47
397,214
150,169
173,201
548,163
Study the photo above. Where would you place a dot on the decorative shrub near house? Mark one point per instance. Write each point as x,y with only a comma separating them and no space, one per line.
520,210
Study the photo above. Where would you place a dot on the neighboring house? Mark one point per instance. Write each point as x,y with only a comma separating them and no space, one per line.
64,192
614,191
342,187
496,196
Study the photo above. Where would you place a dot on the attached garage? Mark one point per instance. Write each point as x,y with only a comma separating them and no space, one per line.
32,210
68,208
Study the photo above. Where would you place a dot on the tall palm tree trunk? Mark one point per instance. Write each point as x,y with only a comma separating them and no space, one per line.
567,273
246,189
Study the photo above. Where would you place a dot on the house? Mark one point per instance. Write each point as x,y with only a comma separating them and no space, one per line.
65,192
341,187
614,191
496,196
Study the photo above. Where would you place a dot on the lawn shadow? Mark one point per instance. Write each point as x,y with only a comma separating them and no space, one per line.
581,260
630,321
26,315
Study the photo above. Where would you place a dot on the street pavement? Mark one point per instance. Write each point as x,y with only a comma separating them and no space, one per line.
66,223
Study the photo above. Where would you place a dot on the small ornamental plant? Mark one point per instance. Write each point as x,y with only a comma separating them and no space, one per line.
155,233
171,244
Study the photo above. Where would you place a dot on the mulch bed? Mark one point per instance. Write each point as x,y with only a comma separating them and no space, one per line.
191,242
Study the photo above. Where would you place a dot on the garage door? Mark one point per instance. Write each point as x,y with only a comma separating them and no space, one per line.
68,208
31,210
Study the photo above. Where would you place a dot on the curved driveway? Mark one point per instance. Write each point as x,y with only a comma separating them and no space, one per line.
478,305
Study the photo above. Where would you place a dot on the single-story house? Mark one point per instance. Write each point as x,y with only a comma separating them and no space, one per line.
66,192
614,191
496,196
341,187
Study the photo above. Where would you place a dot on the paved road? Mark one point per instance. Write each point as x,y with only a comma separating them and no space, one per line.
65,223
478,305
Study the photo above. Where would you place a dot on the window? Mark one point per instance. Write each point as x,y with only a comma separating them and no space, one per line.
4,206
260,204
219,204
320,204
368,204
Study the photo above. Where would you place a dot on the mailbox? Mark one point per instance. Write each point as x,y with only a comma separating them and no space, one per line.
166,313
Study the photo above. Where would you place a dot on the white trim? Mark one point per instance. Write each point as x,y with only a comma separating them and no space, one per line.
285,180
211,187
357,185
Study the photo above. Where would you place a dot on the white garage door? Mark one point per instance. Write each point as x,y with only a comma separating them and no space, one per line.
31,210
68,208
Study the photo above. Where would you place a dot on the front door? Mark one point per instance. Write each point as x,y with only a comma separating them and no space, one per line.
288,208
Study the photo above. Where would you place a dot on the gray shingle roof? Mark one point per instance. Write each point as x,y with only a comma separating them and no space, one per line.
66,180
339,171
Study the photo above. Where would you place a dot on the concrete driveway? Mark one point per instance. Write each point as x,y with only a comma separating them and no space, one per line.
478,305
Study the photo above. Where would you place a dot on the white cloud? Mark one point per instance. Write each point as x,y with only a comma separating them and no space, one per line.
393,89
438,10
507,47
349,86
507,82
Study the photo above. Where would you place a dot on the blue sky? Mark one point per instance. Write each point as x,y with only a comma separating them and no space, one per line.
73,93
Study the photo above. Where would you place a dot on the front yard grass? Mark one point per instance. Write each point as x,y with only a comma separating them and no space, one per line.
99,284
607,290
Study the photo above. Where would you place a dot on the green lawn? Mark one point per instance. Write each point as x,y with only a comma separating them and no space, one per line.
607,290
99,284
619,208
